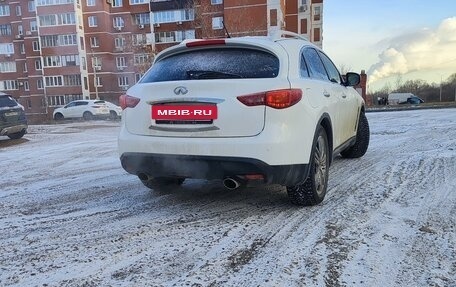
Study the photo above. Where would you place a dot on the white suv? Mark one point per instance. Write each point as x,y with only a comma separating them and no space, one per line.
86,109
245,110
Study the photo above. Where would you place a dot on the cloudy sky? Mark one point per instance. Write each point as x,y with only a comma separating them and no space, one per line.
412,38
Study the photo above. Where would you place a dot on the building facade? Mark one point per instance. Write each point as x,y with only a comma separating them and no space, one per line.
56,51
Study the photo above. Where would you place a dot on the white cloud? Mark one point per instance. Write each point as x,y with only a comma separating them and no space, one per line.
423,50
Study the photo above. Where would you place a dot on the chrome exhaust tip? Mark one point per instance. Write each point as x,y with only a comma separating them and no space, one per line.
231,183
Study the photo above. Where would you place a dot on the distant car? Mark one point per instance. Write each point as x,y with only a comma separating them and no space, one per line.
86,109
114,110
252,109
13,122
414,100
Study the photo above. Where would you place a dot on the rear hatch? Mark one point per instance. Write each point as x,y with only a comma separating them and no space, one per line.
193,92
10,111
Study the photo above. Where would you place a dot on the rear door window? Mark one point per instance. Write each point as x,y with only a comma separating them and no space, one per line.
220,63
6,101
315,65
333,73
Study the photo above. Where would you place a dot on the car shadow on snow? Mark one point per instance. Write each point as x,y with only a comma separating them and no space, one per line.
202,192
6,142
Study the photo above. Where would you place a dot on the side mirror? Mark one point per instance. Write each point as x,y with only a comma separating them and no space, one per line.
352,79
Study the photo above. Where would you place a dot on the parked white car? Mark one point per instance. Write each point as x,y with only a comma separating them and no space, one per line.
115,111
245,110
86,109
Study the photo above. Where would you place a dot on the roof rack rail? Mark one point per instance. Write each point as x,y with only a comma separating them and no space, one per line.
283,34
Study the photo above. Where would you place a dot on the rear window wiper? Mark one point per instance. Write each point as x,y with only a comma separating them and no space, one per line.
198,75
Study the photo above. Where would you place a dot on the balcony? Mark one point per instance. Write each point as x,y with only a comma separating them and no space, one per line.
170,5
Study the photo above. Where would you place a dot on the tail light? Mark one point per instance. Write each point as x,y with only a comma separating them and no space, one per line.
277,99
127,101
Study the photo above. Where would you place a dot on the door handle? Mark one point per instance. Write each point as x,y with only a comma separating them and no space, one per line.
344,96
326,94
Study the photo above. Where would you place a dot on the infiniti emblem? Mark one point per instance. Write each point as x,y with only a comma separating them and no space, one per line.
180,90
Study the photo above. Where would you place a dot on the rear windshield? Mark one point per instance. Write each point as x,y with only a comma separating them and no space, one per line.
6,101
221,63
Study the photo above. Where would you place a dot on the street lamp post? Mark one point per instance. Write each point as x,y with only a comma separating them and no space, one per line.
440,88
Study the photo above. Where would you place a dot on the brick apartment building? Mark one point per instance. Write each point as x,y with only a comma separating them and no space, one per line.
56,51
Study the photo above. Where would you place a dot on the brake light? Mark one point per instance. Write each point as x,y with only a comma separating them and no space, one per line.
127,101
277,99
205,43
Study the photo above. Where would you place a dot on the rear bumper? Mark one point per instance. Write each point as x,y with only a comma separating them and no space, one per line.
8,130
211,167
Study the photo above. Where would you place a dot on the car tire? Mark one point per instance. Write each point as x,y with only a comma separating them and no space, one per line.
158,183
362,139
87,116
58,117
113,115
18,135
313,190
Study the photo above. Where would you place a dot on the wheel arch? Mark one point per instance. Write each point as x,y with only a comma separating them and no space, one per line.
326,123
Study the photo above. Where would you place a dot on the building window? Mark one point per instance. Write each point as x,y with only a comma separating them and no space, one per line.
26,86
29,103
5,30
72,80
39,84
62,100
20,30
122,81
31,6
215,2
134,2
7,67
120,62
117,3
273,17
139,39
25,67
94,42
4,10
33,26
53,2
217,23
70,60
119,43
90,2
141,59
98,83
141,19
66,19
53,81
118,22
174,36
36,46
93,21
9,85
317,13
51,61
96,63
38,65
48,20
84,65
18,11
174,16
317,35
138,77
6,49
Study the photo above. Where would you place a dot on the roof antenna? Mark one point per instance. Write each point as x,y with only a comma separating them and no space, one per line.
226,30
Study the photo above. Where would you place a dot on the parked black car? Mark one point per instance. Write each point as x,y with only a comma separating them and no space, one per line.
13,122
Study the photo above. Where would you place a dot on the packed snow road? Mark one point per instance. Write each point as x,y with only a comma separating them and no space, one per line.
70,216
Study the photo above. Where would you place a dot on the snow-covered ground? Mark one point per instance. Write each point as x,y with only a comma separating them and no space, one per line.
70,216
